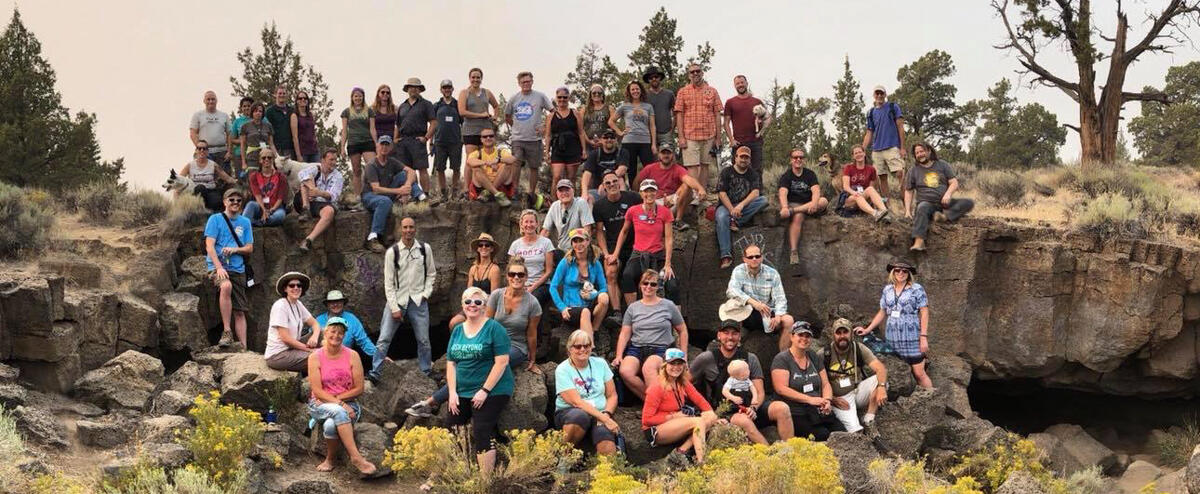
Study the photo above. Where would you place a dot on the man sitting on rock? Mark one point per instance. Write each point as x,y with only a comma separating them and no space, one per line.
859,380
675,187
739,188
386,181
356,336
228,241
932,183
710,370
759,287
320,187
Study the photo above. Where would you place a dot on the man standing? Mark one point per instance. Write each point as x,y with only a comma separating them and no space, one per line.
759,286
447,140
609,212
408,275
710,370
697,111
739,189
606,158
859,380
524,112
932,183
675,186
415,124
212,126
279,115
320,187
743,125
663,101
356,336
386,181
228,240
235,130
799,197
885,139
566,214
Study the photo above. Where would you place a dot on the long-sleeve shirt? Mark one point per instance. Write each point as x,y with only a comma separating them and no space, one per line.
408,281
356,335
566,279
767,287
661,403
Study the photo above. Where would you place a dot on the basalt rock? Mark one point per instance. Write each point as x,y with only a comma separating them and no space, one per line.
126,381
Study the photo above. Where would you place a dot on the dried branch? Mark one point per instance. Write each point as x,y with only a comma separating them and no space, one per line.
1146,96
1028,54
1167,18
1072,127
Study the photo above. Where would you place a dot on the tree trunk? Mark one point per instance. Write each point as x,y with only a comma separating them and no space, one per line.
1090,137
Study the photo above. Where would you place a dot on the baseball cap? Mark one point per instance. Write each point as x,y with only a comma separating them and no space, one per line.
446,83
744,150
565,182
648,184
841,323
802,327
879,89
335,320
609,134
580,233
674,354
730,324
234,191
385,139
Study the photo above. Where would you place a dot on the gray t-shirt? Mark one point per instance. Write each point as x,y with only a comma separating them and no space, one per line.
212,127
652,324
527,111
930,183
374,172
534,255
562,222
637,122
705,367
517,321
806,381
663,103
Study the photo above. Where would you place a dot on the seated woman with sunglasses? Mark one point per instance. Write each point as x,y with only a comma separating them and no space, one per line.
578,286
646,333
335,375
799,378
519,312
674,411
587,396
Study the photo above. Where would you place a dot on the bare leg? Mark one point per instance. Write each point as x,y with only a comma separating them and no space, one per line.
585,322
323,222
682,202
785,331
487,462
875,198
239,327
556,171
861,202
331,449
481,180
794,228
779,413
467,171
573,433
356,173
572,171
629,374
745,423
611,272
225,302
921,376
600,311
533,178
441,179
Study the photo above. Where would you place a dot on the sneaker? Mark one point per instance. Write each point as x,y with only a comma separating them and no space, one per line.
681,226
306,245
503,201
419,409
226,339
423,197
374,245
918,245
726,262
879,214
794,258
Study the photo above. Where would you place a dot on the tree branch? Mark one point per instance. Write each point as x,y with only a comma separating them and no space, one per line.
1072,127
1146,96
1028,55
1166,19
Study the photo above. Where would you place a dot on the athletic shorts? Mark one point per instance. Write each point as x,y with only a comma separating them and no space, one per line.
528,153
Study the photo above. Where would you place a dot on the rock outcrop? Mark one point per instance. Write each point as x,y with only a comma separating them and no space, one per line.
126,381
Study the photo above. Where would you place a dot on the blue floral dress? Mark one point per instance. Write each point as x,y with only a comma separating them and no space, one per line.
904,318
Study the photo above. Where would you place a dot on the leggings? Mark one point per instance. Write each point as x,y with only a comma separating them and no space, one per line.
638,152
483,427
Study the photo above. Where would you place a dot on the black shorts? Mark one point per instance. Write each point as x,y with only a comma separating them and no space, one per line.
913,360
237,293
644,352
360,148
570,153
472,140
651,436
574,416
447,156
577,314
315,207
412,153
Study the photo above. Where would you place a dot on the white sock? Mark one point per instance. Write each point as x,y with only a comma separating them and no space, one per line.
868,418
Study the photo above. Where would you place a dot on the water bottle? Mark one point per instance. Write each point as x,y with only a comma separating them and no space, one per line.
271,415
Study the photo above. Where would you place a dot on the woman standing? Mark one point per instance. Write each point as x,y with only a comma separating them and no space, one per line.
587,396
653,242
538,253
356,135
483,273
477,370
383,123
473,103
638,135
304,130
336,378
287,345
565,137
269,189
578,286
798,376
674,411
256,135
646,333
595,116
906,308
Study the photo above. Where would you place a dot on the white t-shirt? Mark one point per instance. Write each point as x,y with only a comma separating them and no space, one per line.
286,315
534,255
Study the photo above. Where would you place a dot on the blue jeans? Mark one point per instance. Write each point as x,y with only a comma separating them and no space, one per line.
380,205
253,212
722,219
417,316
332,415
516,358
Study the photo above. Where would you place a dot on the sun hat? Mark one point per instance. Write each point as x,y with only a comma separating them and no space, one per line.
651,72
281,283
732,310
483,237
413,82
902,264
334,296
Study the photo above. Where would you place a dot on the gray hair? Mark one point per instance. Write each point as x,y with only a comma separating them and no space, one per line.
579,337
470,292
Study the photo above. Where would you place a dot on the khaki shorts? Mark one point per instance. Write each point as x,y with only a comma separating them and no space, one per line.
697,153
237,292
671,200
887,161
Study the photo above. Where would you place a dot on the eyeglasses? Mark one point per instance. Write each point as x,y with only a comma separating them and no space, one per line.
473,301
652,284
562,97
516,274
294,285
490,136
754,256
583,346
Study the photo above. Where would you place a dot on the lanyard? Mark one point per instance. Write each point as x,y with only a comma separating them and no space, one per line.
896,301
587,388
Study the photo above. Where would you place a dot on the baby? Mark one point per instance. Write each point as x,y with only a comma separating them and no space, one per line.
738,388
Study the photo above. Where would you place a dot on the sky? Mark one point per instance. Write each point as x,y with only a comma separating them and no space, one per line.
142,66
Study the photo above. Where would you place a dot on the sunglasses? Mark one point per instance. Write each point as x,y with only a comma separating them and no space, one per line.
201,148
695,71
899,270
294,285
652,284
265,158
473,301
561,97
304,98
233,201
487,137
802,335
797,157
597,93
755,256
516,274
584,346
385,92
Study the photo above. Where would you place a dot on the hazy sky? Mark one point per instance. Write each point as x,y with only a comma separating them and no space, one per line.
142,66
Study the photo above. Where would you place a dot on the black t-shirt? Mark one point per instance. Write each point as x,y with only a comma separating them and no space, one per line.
739,185
612,216
599,161
799,189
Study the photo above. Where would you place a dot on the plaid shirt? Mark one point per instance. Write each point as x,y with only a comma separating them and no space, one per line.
699,108
767,287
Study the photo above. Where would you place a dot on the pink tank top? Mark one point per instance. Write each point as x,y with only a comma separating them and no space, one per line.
336,374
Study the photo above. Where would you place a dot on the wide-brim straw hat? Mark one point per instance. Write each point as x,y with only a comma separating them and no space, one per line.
483,238
281,283
413,82
902,264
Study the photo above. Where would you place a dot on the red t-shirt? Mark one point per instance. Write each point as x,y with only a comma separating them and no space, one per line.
859,178
273,190
648,230
741,116
668,179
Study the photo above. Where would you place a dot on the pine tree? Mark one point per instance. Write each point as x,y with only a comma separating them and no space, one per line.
660,47
849,108
592,66
926,97
798,124
1013,136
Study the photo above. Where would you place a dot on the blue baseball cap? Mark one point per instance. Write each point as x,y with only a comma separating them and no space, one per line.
385,139
674,354
335,320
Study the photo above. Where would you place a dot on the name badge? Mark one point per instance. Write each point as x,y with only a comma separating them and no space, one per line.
449,118
896,313
844,382
642,217
808,388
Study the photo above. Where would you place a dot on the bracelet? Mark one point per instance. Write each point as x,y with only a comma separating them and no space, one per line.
606,412
924,336
485,390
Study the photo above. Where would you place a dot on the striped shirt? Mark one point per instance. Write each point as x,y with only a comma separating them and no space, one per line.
767,287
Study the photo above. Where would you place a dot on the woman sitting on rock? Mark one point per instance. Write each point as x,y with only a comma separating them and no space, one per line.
477,372
578,286
906,308
287,347
799,379
336,377
587,396
646,333
674,411
538,253
270,191
483,273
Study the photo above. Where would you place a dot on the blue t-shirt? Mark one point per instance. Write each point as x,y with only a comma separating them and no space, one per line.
473,358
882,124
356,335
588,382
217,229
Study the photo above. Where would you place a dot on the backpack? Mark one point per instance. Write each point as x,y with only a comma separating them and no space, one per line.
891,107
424,259
713,391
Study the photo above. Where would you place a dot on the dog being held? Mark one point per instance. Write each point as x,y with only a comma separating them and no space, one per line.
177,182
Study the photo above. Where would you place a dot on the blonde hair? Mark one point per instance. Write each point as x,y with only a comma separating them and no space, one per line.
579,337
667,382
471,291
912,277
738,365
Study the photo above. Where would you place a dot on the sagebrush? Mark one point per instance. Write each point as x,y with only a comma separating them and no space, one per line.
24,225
1002,188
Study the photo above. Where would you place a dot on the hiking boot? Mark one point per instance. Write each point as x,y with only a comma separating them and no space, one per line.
374,245
794,258
503,201
879,214
306,245
419,409
940,217
226,339
681,226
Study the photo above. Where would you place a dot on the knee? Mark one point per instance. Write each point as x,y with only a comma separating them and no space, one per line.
925,208
601,300
226,288
741,420
787,320
778,411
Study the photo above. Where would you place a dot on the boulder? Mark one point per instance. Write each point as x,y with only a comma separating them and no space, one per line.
169,402
78,272
191,379
31,305
1020,482
39,426
138,325
60,342
12,396
527,408
1137,475
162,429
101,434
902,424
310,487
9,374
900,378
181,324
1172,483
854,453
246,380
1076,450
964,435
96,315
401,384
951,375
372,442
637,449
167,455
1192,479
126,381
56,377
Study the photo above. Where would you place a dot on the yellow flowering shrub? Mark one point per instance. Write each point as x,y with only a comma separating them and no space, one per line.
421,451
607,479
795,466
1010,455
964,485
895,476
528,463
56,483
224,435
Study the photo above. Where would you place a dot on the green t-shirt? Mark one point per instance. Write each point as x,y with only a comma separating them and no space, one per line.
359,127
473,358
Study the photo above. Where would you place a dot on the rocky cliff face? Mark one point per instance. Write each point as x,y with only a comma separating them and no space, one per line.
1077,311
